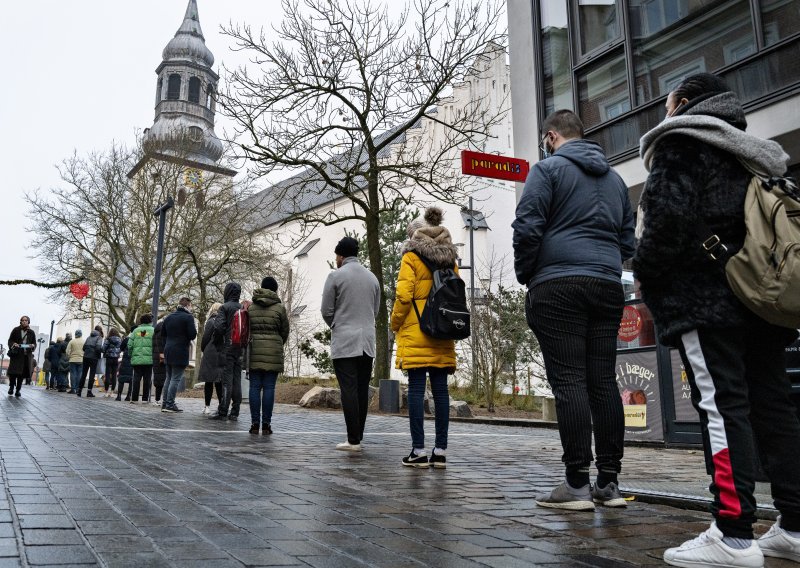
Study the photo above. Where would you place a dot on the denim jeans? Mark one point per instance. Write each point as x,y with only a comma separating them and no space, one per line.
75,370
416,412
262,395
171,384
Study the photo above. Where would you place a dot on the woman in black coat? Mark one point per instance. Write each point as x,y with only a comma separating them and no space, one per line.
211,366
125,370
20,355
159,369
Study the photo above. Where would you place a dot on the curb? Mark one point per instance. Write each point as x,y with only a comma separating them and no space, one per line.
689,502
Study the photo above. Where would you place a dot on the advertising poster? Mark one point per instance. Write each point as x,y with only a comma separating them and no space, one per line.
682,392
637,379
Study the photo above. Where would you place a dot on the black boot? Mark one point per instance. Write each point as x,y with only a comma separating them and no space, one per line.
254,428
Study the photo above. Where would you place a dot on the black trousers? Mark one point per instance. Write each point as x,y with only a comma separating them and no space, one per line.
208,390
110,378
231,382
15,383
141,374
741,392
90,369
354,374
576,320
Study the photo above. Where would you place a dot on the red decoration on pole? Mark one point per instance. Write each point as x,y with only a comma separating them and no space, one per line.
80,290
631,325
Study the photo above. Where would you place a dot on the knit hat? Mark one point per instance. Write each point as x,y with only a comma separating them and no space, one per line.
432,218
269,283
78,333
348,246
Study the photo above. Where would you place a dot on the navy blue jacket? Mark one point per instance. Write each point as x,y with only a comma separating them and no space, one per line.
574,218
179,331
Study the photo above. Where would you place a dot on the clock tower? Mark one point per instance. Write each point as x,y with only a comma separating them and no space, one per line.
185,107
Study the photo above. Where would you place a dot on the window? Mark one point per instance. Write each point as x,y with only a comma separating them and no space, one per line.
603,88
159,89
556,62
478,219
780,19
309,245
210,96
598,24
668,82
194,90
298,310
174,87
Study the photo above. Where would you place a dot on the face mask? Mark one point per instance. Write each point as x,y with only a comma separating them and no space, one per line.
546,152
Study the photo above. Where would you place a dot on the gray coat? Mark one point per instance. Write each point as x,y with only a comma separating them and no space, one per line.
350,302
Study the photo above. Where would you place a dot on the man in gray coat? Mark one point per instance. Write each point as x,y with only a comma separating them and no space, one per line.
350,303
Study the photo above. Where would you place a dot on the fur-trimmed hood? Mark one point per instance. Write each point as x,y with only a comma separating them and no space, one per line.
433,243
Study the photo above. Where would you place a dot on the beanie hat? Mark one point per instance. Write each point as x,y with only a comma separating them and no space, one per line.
432,218
348,246
269,283
78,333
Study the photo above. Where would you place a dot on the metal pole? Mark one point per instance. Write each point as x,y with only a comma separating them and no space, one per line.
52,323
162,221
472,289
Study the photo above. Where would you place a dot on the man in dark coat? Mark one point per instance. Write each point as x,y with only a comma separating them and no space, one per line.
92,351
230,355
21,343
179,332
159,369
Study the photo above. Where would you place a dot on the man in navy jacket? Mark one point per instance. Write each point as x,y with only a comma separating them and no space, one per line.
179,332
573,229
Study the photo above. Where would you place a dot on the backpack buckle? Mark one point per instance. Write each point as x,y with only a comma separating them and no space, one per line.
711,244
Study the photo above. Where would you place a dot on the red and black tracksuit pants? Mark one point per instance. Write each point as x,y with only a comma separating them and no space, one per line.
741,391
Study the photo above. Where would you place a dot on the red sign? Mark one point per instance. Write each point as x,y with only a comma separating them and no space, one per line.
631,325
494,166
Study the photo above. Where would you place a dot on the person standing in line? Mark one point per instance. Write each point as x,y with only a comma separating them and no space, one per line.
100,371
159,369
350,301
63,363
211,366
179,331
92,350
573,229
125,369
54,358
734,360
230,355
21,343
47,366
418,354
75,355
141,347
112,347
269,331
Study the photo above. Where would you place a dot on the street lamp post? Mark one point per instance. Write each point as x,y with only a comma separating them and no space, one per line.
40,341
161,213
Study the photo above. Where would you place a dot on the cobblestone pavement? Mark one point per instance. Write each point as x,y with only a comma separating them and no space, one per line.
99,482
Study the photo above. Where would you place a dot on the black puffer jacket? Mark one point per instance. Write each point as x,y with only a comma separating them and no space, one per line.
211,366
269,330
233,292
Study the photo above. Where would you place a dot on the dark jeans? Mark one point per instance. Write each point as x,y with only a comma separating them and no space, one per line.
171,384
416,412
208,390
47,376
576,320
231,382
75,370
262,395
15,383
110,381
141,374
741,392
90,369
354,374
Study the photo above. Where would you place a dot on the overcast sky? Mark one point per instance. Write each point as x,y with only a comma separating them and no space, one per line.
77,76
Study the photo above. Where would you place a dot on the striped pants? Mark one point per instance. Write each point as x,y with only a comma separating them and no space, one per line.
741,392
576,320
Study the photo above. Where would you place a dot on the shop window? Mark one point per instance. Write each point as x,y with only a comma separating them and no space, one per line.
555,56
598,23
174,87
603,88
780,19
194,90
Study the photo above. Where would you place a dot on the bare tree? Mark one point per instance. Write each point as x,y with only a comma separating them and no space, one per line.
344,95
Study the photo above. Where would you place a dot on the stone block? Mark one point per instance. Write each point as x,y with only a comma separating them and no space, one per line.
460,409
321,397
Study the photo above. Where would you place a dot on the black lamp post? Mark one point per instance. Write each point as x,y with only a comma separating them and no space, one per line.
161,212
40,341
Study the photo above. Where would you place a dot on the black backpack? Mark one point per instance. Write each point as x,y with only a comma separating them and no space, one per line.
445,315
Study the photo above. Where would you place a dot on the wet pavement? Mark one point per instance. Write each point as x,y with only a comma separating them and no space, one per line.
106,483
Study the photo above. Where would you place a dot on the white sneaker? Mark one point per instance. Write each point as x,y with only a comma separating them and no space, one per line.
207,410
708,550
348,447
777,543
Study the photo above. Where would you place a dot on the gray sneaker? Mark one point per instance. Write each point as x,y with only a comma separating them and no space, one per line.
608,496
566,497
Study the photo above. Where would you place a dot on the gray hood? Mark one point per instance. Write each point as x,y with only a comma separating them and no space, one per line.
586,154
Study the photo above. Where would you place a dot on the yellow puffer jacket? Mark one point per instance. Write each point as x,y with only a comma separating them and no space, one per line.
414,282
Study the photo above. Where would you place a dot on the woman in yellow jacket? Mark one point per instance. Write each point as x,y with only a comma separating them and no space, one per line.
418,354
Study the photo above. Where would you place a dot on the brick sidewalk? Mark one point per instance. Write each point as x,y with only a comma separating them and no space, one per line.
97,482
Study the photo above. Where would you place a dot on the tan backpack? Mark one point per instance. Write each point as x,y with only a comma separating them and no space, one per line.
765,273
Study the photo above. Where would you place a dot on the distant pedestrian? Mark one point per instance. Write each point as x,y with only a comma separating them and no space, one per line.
47,367
112,347
100,370
75,355
230,354
734,360
421,355
21,344
34,376
125,375
573,229
54,357
141,347
92,351
179,331
159,369
350,301
63,363
269,331
211,365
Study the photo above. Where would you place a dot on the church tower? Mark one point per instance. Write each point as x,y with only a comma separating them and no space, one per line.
183,129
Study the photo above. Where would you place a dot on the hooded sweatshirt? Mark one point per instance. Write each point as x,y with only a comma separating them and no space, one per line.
269,330
574,218
232,293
